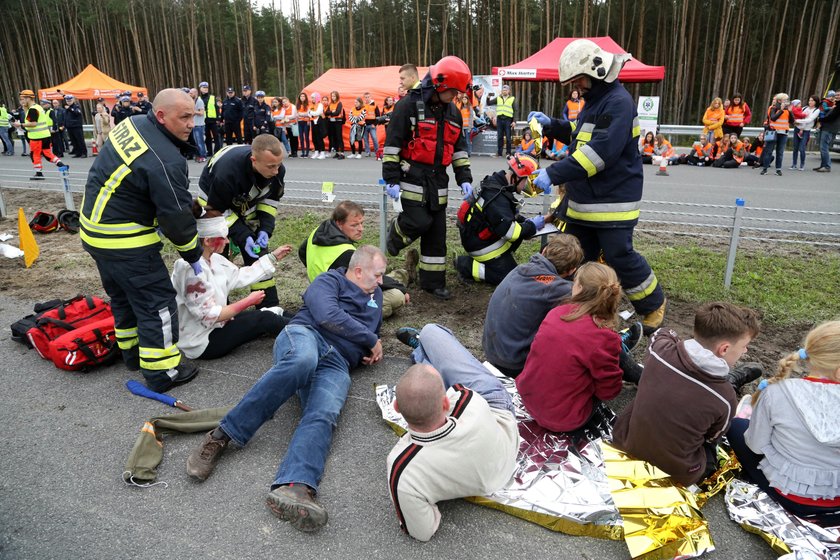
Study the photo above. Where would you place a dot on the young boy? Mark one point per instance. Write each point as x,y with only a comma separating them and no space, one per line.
686,397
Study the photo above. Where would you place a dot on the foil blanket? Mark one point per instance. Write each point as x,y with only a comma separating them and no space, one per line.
576,484
755,511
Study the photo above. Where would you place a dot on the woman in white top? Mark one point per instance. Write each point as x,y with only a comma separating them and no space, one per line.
318,125
802,133
101,124
209,327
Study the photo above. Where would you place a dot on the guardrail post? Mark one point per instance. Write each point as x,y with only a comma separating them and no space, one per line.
545,213
2,205
383,216
733,241
68,196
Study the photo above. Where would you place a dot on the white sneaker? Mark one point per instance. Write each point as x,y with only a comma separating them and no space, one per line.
321,156
358,156
314,155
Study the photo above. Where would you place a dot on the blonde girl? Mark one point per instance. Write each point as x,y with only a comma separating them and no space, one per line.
790,447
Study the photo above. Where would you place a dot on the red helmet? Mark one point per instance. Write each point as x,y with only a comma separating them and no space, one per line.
523,165
451,72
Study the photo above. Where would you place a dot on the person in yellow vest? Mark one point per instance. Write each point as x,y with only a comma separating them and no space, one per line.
779,121
212,134
332,243
37,125
573,106
505,106
5,126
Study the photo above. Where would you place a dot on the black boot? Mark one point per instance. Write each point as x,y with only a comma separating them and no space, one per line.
744,373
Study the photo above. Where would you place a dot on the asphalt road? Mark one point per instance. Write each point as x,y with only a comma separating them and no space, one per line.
66,437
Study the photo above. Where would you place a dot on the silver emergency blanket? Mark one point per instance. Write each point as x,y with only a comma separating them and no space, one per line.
755,511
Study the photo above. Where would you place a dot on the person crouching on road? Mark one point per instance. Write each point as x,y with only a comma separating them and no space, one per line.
210,327
491,226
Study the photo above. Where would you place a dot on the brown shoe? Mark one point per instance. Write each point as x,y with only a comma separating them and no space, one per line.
412,257
203,459
296,504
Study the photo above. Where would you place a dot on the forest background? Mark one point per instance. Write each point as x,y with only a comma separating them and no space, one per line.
709,47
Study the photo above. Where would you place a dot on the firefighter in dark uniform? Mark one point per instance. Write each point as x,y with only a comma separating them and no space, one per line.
212,137
232,115
140,183
603,174
424,137
262,115
249,105
491,226
245,184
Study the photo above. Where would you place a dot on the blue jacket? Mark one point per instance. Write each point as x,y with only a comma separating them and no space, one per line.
343,314
603,175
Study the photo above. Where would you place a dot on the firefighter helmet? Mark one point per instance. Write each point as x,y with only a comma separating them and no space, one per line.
583,57
27,93
450,72
523,165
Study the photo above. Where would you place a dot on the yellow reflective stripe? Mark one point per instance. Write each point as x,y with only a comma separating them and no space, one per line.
231,218
411,196
443,200
127,343
644,289
125,333
201,202
126,228
153,353
477,270
107,190
163,364
584,136
460,162
584,162
514,231
498,249
131,242
434,264
637,129
602,216
405,239
594,157
263,285
388,158
574,125
267,208
189,245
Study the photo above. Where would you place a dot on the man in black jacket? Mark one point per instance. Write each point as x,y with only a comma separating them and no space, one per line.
73,121
232,115
137,185
249,108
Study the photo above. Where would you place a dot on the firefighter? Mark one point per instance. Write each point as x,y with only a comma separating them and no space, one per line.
603,174
212,136
232,115
491,226
424,137
139,182
245,184
249,106
37,123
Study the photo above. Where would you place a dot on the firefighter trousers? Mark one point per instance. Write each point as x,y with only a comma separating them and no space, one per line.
145,313
430,227
268,286
638,281
492,271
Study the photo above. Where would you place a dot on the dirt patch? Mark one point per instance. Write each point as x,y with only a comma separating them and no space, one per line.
64,269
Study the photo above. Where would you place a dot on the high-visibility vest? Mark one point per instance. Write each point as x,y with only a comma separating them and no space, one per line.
526,146
386,110
275,116
735,115
356,116
504,107
319,258
290,115
574,108
466,114
303,113
782,124
210,107
42,129
4,117
736,149
669,151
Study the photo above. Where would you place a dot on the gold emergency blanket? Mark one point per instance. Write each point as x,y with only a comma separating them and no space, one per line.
755,511
580,486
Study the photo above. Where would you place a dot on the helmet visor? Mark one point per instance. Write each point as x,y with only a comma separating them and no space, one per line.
531,190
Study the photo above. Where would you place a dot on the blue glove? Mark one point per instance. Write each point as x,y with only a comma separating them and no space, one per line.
252,248
196,266
543,181
393,191
538,221
262,239
467,189
542,118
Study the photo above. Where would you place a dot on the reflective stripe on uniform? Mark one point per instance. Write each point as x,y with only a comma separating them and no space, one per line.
126,228
267,206
514,231
637,129
585,134
644,289
405,239
604,212
460,162
589,160
120,242
391,150
114,181
432,263
459,155
155,353
478,271
410,191
492,251
126,338
390,158
188,246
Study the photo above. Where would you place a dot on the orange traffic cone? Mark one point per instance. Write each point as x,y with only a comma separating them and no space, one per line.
663,167
94,147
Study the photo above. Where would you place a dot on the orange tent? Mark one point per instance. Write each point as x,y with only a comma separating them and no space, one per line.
91,83
350,83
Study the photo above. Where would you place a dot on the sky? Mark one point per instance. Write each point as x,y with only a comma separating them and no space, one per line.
286,5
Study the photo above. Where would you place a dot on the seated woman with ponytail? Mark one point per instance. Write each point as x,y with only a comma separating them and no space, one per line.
790,447
209,327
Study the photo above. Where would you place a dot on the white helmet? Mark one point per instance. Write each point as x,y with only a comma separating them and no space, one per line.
583,57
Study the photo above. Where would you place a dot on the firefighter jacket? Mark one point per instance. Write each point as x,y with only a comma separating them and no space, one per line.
249,107
139,182
262,117
230,185
489,221
424,137
232,109
603,174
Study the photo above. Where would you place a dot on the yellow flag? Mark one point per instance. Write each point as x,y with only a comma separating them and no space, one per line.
27,241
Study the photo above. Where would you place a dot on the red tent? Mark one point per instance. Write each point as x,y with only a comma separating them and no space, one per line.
542,65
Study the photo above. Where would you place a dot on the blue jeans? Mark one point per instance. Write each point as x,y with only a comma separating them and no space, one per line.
280,133
468,140
440,349
8,148
198,136
304,364
779,145
303,132
799,147
370,131
826,139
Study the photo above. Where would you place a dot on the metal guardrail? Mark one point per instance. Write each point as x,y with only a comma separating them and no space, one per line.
734,222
